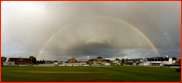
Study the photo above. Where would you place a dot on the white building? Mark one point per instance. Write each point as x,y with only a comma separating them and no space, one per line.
107,64
155,61
117,62
174,61
8,63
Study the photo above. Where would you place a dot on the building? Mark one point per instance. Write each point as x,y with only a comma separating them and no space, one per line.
9,63
99,60
159,61
174,61
178,62
72,60
172,66
21,61
3,59
61,62
116,62
155,61
82,61
133,61
48,61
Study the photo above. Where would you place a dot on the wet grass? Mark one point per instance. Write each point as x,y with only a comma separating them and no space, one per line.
89,74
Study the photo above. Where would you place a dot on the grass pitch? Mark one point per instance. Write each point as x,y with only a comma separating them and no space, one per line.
89,74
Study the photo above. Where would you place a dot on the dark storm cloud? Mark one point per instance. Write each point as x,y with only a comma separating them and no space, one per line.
29,25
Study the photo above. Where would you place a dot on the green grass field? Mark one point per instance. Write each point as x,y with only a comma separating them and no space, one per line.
89,74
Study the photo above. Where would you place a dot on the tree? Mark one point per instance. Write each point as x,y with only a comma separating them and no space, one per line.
55,61
122,61
38,62
117,59
174,58
43,61
33,59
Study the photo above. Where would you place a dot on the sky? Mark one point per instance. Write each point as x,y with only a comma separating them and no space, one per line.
85,30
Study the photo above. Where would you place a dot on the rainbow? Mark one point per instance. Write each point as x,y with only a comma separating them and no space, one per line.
112,18
157,24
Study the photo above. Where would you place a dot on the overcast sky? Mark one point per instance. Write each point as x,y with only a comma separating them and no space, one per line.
86,30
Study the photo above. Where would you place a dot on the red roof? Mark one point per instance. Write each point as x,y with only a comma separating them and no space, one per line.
178,61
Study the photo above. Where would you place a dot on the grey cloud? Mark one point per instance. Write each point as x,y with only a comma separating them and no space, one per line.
31,24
